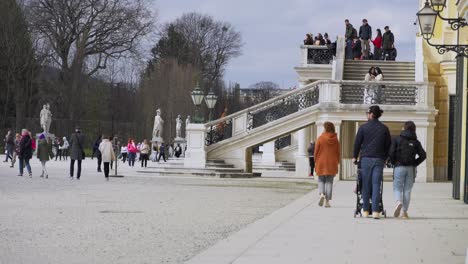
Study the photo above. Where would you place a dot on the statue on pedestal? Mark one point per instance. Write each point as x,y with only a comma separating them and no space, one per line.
158,125
45,118
178,127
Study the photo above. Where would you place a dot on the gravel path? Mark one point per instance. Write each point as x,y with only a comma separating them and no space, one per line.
126,220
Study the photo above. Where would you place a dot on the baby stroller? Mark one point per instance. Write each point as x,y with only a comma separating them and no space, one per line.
359,201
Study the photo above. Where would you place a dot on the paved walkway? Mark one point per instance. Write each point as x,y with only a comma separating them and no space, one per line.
304,233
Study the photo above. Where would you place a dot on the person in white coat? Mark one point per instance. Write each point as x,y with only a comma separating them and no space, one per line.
107,153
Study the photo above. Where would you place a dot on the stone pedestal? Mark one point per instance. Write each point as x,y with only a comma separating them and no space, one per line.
268,156
195,155
302,157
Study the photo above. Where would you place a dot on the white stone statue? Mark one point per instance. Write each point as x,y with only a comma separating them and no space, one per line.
45,118
187,121
178,126
158,125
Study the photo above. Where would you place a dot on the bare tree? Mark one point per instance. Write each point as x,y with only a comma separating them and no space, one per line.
84,35
264,91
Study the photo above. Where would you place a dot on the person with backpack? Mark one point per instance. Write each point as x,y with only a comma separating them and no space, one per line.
44,154
372,144
402,155
350,35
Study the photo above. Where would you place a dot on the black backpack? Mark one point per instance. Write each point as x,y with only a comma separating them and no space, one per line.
407,151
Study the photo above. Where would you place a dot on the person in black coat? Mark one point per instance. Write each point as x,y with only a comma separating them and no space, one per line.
162,152
356,48
97,153
25,152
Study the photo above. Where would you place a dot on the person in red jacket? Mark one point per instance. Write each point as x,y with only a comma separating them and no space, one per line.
377,45
132,151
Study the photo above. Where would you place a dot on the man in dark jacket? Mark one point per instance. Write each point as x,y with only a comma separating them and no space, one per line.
310,151
388,42
372,144
77,152
9,145
365,34
25,152
350,34
97,153
402,154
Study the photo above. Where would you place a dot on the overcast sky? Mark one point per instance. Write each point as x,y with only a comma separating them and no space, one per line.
273,30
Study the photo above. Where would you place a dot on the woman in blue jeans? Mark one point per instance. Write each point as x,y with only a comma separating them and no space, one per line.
403,152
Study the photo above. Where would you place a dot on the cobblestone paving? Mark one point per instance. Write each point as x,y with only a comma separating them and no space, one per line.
126,220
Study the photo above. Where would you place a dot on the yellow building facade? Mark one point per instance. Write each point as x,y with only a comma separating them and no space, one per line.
441,69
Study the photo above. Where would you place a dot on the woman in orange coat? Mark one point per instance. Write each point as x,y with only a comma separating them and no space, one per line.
327,158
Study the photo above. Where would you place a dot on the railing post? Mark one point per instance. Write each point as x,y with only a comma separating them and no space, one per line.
425,96
195,155
338,62
304,55
239,124
329,92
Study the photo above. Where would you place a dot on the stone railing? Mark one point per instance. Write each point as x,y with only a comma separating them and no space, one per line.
313,54
320,92
262,113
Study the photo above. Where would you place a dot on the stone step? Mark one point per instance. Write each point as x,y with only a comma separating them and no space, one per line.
219,165
217,169
200,173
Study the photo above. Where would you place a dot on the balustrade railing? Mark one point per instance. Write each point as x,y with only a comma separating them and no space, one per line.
386,93
319,54
418,95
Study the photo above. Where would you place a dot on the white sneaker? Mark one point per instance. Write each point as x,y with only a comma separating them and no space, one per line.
397,211
322,198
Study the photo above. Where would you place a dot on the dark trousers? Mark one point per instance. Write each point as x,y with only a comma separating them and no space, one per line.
312,165
9,154
161,154
372,176
144,160
106,169
99,162
124,157
59,154
72,168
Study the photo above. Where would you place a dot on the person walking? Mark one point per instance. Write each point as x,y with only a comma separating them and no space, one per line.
25,152
178,151
64,149
388,43
310,151
377,42
9,146
124,152
107,154
162,152
402,155
144,153
132,151
76,152
365,34
16,150
97,153
327,159
372,144
357,49
44,154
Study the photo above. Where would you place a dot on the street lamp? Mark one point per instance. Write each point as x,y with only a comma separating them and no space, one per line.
210,101
438,5
197,98
427,18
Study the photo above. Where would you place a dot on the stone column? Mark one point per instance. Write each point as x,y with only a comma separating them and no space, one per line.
425,133
302,157
268,156
195,155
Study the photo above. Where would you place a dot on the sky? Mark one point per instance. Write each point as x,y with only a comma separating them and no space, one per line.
273,30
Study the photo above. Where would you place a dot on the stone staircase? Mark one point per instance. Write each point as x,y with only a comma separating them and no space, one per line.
214,168
392,70
279,169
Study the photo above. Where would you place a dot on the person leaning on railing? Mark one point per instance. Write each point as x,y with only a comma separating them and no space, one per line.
309,40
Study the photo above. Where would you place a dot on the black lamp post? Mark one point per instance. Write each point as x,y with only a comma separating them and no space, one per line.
197,98
210,101
427,17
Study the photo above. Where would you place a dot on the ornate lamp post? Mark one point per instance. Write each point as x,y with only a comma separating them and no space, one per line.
427,17
197,98
210,101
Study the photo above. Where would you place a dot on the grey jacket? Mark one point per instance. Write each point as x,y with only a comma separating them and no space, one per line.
76,152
